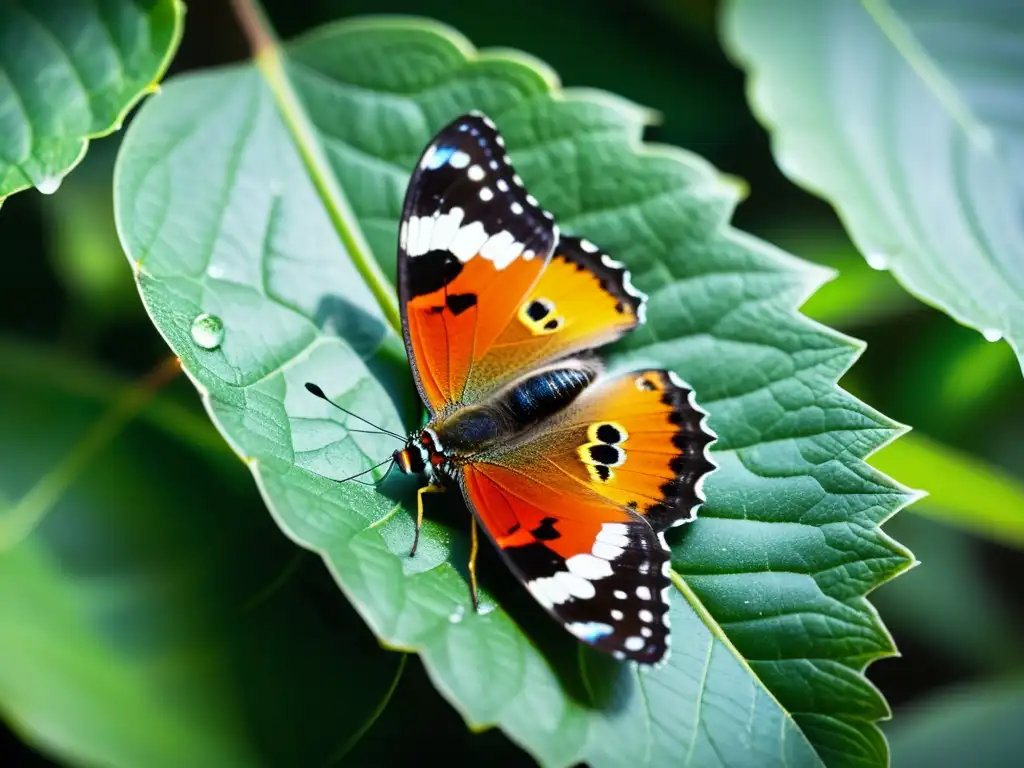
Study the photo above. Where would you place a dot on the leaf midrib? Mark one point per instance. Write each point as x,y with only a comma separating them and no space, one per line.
911,50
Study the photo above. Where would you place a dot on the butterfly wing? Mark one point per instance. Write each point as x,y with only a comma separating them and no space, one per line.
582,300
472,243
578,507
488,289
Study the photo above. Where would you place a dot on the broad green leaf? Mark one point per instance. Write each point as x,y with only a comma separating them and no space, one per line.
977,725
69,71
962,490
905,115
226,192
135,632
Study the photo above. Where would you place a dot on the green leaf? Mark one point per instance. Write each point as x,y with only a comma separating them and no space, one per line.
963,490
219,212
69,71
904,115
138,633
975,725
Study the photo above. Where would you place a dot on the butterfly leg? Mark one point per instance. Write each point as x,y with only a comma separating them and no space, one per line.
474,548
419,512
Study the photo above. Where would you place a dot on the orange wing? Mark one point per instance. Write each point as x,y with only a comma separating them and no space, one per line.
584,299
578,506
471,245
483,299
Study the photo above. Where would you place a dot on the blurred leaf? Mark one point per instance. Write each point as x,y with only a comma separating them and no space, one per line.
85,250
977,725
904,115
962,490
858,295
220,215
69,71
134,633
984,634
978,373
69,375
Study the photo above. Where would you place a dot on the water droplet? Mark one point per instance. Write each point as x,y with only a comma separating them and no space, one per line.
876,260
208,331
991,334
457,614
215,272
49,185
154,88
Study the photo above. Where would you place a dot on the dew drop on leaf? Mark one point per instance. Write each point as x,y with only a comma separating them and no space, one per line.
876,260
49,185
456,615
991,334
208,331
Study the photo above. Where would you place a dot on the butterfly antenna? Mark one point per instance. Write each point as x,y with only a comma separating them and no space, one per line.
315,390
379,482
360,474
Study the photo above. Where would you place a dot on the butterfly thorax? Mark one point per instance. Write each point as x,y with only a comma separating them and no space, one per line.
469,431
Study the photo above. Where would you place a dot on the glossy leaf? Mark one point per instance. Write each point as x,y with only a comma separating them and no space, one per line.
69,71
139,632
223,212
905,115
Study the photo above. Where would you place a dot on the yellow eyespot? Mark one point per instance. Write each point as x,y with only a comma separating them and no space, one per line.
609,432
539,316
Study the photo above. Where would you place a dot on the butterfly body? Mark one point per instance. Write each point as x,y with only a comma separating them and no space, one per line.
573,473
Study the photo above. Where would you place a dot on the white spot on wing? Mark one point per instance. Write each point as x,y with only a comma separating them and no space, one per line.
588,246
486,194
617,614
458,160
502,249
468,242
589,630
589,566
616,534
634,643
646,616
606,551
516,208
643,593
445,227
420,229
502,185
611,263
619,594
563,586
475,173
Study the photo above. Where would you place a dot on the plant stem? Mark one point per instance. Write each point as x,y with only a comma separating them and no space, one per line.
22,518
61,373
270,60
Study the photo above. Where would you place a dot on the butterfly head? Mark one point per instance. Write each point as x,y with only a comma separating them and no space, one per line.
422,453
410,460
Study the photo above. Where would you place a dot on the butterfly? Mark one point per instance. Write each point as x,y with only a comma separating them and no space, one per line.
573,473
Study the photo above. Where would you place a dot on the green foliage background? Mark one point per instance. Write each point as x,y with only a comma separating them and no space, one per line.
179,592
